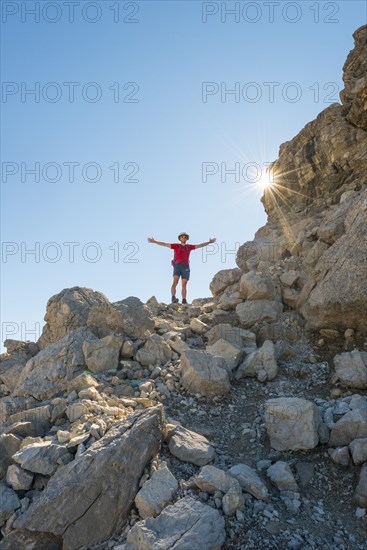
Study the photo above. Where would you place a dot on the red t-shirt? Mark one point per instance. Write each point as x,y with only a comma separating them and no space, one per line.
182,252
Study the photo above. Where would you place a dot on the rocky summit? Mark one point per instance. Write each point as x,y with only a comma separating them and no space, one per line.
239,421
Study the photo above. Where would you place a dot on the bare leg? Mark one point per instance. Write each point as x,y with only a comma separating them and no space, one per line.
184,290
174,285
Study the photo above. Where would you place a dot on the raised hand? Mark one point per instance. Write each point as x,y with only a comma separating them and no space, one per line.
151,239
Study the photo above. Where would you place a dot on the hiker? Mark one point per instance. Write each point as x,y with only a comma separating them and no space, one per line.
180,262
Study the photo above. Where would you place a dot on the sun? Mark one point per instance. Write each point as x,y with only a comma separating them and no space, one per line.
266,181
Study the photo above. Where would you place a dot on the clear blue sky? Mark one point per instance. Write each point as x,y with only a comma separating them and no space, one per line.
122,84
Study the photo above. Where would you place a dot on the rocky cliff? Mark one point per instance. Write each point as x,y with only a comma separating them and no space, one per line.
239,421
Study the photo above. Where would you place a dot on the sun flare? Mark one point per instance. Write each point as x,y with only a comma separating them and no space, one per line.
266,181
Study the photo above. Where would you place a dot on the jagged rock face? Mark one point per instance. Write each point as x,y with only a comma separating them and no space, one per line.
354,96
317,211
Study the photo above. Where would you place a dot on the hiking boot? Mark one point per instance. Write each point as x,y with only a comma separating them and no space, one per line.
184,301
174,300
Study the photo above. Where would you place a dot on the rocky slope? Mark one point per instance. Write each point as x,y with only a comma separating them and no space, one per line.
239,421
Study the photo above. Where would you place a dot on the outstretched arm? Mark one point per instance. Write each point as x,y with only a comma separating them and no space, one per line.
211,241
152,240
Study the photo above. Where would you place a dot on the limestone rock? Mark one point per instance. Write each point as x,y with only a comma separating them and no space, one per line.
18,479
249,481
19,346
137,319
230,353
187,524
340,456
9,502
234,335
352,425
87,501
292,423
233,500
11,366
260,363
9,445
281,475
191,447
358,449
351,369
204,373
49,372
258,286
156,493
224,278
198,326
258,311
354,95
360,496
21,539
158,348
211,479
129,316
41,458
103,354
66,311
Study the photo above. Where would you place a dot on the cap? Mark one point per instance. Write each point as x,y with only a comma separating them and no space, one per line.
183,233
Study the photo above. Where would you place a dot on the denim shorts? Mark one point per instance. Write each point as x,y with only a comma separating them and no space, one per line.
182,270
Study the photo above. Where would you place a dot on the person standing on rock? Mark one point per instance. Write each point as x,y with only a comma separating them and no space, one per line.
180,262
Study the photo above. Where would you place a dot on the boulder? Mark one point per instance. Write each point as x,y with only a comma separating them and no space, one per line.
137,318
358,449
18,479
230,353
156,493
102,354
281,475
350,426
224,278
191,447
66,311
249,481
351,369
21,539
211,479
19,346
41,458
49,372
201,372
9,502
198,326
187,524
9,445
233,500
11,367
157,348
360,495
258,311
260,363
13,405
259,286
292,423
129,316
237,336
88,500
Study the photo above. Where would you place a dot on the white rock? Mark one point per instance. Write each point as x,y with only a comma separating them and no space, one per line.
260,363
230,353
281,475
19,479
249,481
204,373
358,449
198,326
156,493
191,447
292,423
